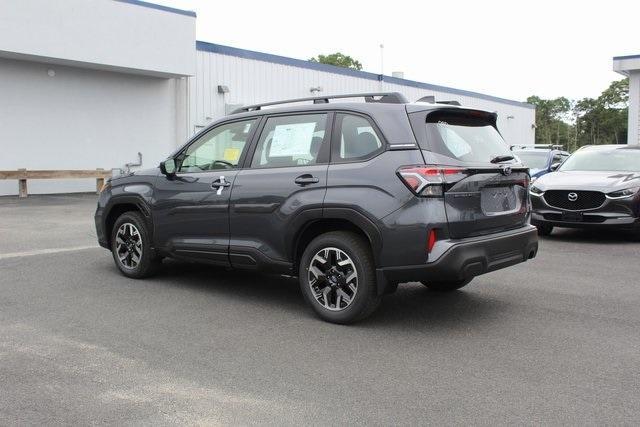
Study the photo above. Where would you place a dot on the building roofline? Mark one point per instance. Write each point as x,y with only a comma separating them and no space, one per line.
300,63
159,7
619,58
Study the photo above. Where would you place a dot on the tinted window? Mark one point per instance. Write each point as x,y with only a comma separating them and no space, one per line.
533,159
220,148
464,136
290,141
358,139
621,159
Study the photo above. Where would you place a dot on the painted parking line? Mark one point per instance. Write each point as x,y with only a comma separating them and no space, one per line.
46,251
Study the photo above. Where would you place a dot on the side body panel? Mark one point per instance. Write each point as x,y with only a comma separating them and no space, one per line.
191,217
267,207
132,190
372,190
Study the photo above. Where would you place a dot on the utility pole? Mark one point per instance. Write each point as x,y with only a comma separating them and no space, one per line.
381,66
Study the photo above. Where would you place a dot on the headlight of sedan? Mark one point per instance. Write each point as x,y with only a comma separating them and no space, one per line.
621,194
535,191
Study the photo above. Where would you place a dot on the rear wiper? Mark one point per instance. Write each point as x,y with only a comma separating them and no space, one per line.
499,159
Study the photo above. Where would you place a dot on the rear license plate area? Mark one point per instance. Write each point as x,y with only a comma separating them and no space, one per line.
572,216
499,200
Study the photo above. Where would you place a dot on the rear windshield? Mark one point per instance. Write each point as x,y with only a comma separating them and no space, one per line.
465,137
621,159
533,159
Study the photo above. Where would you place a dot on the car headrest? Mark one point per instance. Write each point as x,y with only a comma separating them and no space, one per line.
316,143
363,144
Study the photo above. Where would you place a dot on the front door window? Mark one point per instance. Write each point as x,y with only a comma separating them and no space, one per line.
220,148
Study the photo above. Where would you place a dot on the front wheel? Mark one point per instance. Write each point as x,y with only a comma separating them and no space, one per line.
337,277
446,286
131,246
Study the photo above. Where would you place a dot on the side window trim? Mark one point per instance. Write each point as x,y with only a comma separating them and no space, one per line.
196,138
323,155
336,139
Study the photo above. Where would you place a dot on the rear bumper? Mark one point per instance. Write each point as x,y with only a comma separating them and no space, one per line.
467,258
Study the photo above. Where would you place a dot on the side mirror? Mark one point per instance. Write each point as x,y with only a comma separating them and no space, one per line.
555,166
168,167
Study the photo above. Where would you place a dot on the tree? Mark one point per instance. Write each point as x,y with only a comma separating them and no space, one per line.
552,116
338,59
601,120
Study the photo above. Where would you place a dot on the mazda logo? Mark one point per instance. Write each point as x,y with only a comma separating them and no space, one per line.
506,170
572,197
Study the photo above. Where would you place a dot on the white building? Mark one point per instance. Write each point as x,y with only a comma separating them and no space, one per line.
630,66
88,84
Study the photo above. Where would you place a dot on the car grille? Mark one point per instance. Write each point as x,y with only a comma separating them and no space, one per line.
585,200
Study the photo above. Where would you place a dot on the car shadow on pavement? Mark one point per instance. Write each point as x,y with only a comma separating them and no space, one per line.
412,305
415,306
282,291
578,235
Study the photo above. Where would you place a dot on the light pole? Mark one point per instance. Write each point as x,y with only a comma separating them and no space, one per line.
381,65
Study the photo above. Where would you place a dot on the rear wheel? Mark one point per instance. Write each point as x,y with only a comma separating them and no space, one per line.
446,286
544,229
131,246
337,277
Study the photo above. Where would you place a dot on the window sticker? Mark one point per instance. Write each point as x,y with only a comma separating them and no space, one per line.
231,155
292,139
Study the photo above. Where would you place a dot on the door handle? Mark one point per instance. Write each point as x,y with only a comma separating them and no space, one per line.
306,179
219,184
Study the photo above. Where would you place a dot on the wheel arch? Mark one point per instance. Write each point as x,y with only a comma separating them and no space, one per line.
122,204
337,220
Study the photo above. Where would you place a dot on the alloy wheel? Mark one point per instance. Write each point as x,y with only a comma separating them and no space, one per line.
129,245
333,279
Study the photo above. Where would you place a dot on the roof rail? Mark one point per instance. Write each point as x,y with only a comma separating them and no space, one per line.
383,97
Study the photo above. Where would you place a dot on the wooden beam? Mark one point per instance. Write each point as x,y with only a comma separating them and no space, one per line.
54,174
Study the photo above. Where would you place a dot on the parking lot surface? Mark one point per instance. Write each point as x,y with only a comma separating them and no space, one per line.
552,341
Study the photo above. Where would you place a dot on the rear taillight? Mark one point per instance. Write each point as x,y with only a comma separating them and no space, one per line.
429,181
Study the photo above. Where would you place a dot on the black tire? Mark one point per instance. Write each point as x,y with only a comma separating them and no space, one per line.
148,260
447,286
544,229
365,299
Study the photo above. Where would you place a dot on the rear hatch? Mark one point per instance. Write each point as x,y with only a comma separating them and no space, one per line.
485,190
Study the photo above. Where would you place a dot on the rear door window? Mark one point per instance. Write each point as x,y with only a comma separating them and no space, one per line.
465,136
290,141
357,139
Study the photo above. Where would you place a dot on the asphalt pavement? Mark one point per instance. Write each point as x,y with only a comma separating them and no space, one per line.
555,340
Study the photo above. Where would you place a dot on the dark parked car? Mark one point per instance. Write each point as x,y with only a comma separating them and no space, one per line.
540,158
352,197
597,187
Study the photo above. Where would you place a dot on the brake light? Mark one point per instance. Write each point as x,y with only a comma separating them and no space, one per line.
431,240
429,181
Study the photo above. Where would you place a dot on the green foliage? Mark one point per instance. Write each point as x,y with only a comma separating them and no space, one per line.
338,59
601,120
551,120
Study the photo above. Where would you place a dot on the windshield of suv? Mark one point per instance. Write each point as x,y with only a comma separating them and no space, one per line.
533,159
465,137
621,159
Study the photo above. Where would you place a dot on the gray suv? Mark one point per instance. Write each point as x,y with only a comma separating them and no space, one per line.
352,197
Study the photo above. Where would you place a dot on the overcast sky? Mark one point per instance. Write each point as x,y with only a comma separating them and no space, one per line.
510,49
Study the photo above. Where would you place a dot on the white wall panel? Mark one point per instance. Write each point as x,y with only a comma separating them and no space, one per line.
81,119
101,34
253,81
